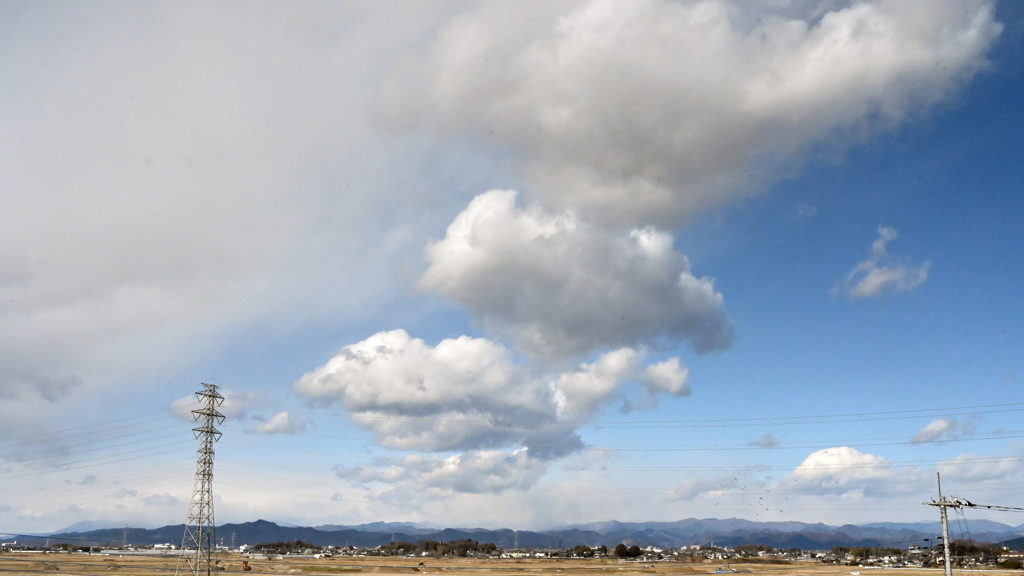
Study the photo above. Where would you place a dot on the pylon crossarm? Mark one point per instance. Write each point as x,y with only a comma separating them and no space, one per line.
210,391
209,412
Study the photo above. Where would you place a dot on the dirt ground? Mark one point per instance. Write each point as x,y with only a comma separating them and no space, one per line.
58,564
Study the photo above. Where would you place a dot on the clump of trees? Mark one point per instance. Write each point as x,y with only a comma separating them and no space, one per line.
283,547
461,548
962,552
858,553
621,551
982,552
584,551
399,548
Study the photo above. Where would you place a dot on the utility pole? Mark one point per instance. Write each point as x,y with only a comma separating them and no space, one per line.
199,528
942,505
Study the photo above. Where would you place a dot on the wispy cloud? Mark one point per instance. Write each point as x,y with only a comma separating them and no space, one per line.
160,500
804,210
280,423
971,468
765,441
881,274
475,472
236,406
944,429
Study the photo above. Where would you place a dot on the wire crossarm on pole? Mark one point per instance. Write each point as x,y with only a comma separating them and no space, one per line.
198,543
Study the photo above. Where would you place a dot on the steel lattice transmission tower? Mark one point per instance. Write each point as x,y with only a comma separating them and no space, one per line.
199,527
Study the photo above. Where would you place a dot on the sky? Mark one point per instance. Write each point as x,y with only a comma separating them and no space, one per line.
520,265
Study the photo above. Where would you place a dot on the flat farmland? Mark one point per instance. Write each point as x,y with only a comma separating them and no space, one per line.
57,564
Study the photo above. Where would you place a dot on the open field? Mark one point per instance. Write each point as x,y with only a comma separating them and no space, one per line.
57,564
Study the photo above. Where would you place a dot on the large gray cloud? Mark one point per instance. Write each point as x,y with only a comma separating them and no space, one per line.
646,112
555,285
173,176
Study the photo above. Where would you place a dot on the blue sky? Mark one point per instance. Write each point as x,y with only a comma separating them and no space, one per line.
493,266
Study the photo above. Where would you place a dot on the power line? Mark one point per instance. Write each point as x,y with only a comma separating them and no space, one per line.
230,464
998,508
120,476
748,447
77,428
781,420
62,448
58,539
884,464
31,471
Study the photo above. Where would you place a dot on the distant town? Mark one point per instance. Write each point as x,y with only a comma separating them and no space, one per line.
965,554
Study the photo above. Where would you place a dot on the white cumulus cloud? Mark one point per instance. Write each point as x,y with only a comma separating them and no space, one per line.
649,111
842,470
881,273
554,285
467,393
668,377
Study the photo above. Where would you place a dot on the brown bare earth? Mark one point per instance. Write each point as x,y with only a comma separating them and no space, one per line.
56,564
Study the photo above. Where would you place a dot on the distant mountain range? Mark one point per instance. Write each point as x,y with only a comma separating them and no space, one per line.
404,527
728,532
731,524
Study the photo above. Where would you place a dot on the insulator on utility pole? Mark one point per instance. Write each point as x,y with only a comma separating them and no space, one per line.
198,542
